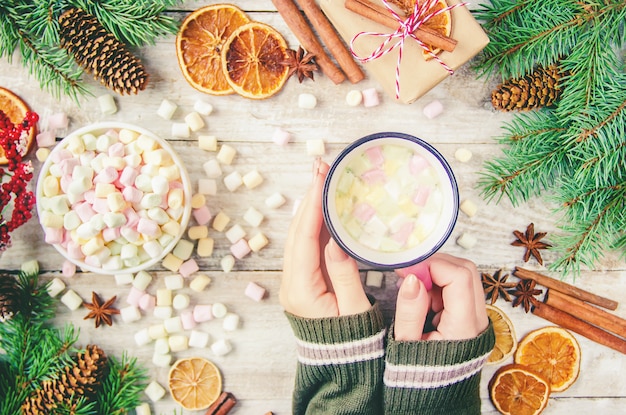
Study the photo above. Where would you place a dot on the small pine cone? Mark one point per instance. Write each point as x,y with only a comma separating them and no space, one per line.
100,53
9,297
536,90
80,379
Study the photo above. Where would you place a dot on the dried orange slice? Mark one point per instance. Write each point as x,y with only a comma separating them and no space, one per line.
195,383
15,108
199,44
554,353
506,342
441,23
252,61
516,390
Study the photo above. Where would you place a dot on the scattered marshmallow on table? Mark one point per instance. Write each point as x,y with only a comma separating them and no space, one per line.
226,154
46,139
281,137
161,360
466,241
183,249
178,342
194,121
207,187
180,301
463,155
107,104
354,98
154,391
433,109
219,310
203,107
68,269
143,409
58,121
167,109
56,287
198,232
252,179
174,282
235,233
205,247
253,217
207,142
188,267
199,283
307,101
370,97
124,279
199,339
230,322
220,221
202,313
254,291
233,181
72,300
163,297
221,347
142,280
212,168
275,200
227,262
240,249
374,279
468,207
315,147
258,242
142,337
130,314
181,129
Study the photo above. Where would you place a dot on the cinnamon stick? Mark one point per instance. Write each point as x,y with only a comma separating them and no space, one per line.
222,405
566,288
332,41
300,28
586,312
576,325
382,16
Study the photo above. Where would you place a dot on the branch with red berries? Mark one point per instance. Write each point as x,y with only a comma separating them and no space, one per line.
16,199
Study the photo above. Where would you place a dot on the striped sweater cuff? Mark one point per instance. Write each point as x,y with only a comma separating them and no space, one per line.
436,377
339,340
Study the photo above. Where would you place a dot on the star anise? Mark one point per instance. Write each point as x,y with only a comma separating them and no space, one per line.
525,293
300,63
101,312
495,286
532,242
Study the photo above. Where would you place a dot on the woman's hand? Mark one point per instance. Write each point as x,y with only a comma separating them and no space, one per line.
456,303
319,278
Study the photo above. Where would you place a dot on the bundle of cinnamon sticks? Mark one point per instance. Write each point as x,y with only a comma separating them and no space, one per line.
579,310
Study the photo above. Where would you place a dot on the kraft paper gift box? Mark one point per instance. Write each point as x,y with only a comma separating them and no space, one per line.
417,76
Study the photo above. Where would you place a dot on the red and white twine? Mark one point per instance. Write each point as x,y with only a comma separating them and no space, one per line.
405,30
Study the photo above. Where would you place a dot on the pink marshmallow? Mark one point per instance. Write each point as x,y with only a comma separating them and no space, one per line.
433,109
370,97
255,291
68,269
90,195
202,215
375,155
187,319
116,150
46,139
67,165
132,194
132,217
281,137
134,296
93,261
58,120
240,249
128,176
417,164
374,176
65,182
107,175
148,227
421,196
112,133
110,234
363,212
73,250
53,236
402,235
62,154
147,302
202,313
84,211
100,205
188,267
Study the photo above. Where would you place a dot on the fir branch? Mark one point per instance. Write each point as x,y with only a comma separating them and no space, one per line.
133,22
122,388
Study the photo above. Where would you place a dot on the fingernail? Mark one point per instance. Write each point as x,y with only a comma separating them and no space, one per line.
316,166
410,287
335,252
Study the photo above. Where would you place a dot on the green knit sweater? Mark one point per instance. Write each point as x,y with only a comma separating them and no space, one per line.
349,365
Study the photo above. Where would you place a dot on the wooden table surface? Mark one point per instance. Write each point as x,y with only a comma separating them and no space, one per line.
260,369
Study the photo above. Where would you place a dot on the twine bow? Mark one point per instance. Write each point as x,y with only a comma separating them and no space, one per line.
405,30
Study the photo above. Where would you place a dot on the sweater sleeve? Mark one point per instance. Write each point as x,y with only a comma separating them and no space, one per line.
435,377
340,364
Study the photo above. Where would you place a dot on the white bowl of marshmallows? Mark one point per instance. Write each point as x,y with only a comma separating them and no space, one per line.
113,197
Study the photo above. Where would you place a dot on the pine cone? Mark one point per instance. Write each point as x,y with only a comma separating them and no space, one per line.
100,53
538,89
9,297
81,379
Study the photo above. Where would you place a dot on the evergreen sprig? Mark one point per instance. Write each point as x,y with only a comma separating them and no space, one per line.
35,351
32,28
575,151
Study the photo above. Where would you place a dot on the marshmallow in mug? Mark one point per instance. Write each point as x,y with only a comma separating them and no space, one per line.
105,200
